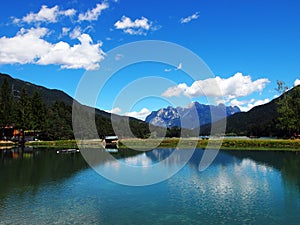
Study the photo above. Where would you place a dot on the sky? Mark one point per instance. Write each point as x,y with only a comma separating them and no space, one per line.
244,47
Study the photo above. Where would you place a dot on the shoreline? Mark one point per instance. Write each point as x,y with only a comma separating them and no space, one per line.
226,144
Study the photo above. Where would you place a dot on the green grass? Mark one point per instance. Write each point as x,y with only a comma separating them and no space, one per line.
54,144
227,144
276,144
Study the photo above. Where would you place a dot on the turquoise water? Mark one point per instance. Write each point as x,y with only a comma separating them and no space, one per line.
240,187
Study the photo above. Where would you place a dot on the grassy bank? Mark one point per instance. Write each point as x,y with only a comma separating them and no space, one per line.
6,143
54,144
256,144
234,144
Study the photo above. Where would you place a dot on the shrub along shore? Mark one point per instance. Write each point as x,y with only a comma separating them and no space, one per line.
227,144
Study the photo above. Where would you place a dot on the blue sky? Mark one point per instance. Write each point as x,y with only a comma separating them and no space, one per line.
248,46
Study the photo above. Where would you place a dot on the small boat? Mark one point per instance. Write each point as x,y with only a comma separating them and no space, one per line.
66,151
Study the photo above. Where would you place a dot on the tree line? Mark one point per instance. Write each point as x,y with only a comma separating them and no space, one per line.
54,122
288,108
29,112
278,118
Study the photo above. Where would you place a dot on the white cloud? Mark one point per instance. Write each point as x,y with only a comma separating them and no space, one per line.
190,18
136,27
247,105
69,12
297,82
232,87
84,55
179,67
76,32
118,57
94,13
25,47
116,110
175,91
126,22
46,15
139,115
28,46
65,31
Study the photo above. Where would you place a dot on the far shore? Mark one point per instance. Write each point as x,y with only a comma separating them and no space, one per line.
184,143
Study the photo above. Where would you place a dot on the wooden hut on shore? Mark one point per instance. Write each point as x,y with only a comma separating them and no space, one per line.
111,141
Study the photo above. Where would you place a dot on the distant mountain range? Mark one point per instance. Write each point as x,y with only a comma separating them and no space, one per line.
260,121
193,115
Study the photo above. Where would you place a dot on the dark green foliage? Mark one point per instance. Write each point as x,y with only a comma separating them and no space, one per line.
49,96
278,118
30,107
59,126
124,127
140,129
39,112
181,132
104,126
288,108
6,102
24,112
173,132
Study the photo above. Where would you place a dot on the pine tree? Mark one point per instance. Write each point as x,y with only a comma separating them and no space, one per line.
288,108
60,125
6,103
24,110
38,111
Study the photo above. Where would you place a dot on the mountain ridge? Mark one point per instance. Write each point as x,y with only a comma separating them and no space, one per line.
195,114
49,96
103,119
55,93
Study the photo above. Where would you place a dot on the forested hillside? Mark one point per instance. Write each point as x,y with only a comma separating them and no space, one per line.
30,107
278,118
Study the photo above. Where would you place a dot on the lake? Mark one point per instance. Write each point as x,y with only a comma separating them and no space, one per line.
39,186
